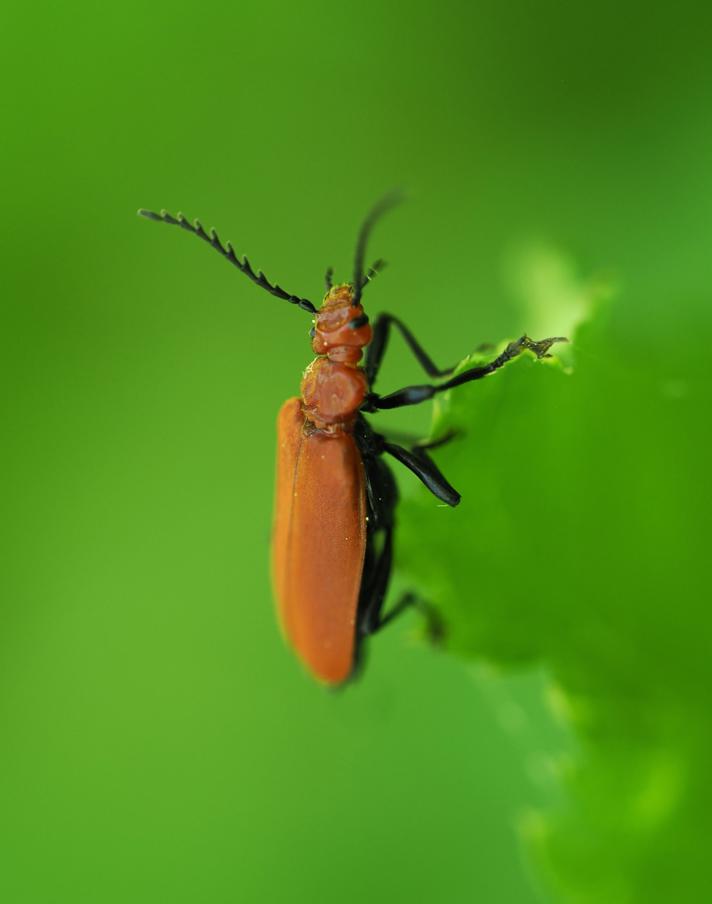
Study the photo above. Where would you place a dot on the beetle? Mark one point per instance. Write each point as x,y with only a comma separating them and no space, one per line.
335,501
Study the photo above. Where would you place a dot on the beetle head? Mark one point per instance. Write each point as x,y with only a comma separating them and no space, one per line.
341,328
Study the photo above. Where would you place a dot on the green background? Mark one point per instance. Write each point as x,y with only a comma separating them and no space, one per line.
157,741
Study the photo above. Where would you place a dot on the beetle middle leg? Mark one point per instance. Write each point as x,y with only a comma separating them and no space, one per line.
373,445
422,465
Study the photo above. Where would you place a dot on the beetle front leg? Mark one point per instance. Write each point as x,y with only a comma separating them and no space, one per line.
413,395
377,349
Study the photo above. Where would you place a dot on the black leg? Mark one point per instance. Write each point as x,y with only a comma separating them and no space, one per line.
374,593
377,349
404,603
412,395
328,278
422,465
370,614
382,498
435,627
371,617
380,487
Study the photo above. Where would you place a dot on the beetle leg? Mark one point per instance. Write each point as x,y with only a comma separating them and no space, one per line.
382,498
373,444
371,617
422,465
405,602
434,623
377,349
413,395
374,593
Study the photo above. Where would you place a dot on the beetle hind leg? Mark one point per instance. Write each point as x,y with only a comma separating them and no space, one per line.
372,619
434,625
374,593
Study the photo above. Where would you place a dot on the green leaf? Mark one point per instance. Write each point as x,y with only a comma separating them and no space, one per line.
581,546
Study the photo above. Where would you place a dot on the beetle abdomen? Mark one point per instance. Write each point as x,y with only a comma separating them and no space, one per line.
319,542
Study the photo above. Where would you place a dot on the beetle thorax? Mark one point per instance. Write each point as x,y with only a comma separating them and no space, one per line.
334,386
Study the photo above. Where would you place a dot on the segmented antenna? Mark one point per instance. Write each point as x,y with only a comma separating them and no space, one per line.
243,265
388,201
373,271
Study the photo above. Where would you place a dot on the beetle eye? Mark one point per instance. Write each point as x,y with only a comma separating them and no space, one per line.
358,321
312,332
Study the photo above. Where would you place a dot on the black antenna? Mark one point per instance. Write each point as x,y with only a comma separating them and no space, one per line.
373,271
243,265
388,201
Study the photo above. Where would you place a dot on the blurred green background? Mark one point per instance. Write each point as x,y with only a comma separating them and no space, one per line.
157,741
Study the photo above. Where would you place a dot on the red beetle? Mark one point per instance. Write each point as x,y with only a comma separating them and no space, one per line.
332,545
